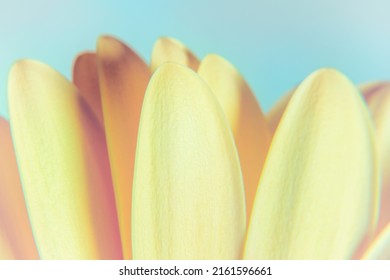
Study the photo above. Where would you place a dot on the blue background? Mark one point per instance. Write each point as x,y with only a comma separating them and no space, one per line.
275,44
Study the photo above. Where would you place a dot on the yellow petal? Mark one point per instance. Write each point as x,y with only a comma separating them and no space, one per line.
85,77
318,190
66,189
188,200
275,114
14,223
380,248
123,78
250,129
378,100
171,50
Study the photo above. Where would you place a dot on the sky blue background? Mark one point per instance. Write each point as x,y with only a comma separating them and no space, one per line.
274,44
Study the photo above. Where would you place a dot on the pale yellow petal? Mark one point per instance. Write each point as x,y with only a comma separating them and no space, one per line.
171,50
86,78
250,129
318,191
14,223
378,100
66,188
380,247
275,114
123,78
188,200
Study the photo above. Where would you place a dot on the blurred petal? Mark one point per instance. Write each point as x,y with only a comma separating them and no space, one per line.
14,224
123,79
6,250
380,248
188,200
378,99
67,191
369,87
318,191
171,50
275,114
100,186
250,129
86,78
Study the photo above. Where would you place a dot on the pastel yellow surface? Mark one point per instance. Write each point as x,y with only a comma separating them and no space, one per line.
380,247
123,78
378,101
171,50
14,223
49,145
318,190
86,79
250,129
188,200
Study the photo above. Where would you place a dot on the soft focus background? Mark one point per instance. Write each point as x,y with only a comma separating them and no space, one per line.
274,43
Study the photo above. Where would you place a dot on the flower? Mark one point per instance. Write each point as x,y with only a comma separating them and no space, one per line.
178,161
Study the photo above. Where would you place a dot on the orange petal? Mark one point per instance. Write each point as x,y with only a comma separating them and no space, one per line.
250,129
85,77
369,87
100,185
171,50
14,223
6,251
123,78
377,96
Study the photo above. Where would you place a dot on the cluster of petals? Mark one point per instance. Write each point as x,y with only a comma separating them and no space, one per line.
176,160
